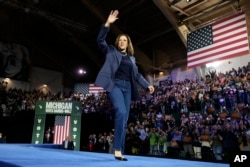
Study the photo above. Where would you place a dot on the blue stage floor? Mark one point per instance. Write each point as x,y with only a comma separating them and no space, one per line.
24,155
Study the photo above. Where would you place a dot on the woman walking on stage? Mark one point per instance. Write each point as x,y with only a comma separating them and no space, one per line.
119,77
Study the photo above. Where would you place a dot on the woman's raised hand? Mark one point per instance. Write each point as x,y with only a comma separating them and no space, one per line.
112,17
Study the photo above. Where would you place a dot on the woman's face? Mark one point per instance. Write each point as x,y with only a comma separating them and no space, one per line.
123,43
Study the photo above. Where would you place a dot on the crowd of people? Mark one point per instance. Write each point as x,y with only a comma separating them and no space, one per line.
207,118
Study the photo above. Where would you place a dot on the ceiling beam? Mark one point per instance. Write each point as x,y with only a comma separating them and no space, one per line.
207,11
141,57
165,9
175,2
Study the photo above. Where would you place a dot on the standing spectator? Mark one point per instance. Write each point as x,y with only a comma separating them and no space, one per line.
196,143
143,135
187,142
104,144
162,142
48,136
177,138
2,138
244,144
110,139
68,144
153,141
206,149
217,143
92,142
230,142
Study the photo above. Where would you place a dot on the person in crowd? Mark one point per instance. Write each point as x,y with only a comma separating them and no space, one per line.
244,141
48,136
143,135
217,143
243,134
162,141
103,143
230,142
119,76
131,140
196,143
2,138
110,139
153,136
177,138
92,142
187,139
206,141
68,144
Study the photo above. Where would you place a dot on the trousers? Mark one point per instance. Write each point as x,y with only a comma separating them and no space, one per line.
120,98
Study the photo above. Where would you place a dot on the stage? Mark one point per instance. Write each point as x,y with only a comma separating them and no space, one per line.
30,155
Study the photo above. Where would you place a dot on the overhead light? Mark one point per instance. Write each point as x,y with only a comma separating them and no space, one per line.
188,0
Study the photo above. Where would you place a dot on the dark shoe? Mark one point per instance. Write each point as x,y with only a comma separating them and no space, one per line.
121,158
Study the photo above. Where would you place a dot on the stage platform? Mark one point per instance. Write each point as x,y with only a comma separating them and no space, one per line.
29,155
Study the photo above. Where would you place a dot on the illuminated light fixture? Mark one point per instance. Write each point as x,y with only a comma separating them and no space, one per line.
81,71
188,0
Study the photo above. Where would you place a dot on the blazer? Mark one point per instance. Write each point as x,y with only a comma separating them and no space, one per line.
70,145
106,75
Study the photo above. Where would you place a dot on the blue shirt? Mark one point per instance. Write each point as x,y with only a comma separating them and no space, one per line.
124,70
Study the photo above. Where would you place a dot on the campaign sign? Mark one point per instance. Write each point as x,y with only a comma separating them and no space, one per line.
240,159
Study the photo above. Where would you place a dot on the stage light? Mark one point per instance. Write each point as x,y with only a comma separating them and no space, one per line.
81,71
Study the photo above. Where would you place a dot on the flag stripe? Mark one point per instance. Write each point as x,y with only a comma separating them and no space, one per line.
222,38
95,89
218,47
88,88
217,51
61,129
230,39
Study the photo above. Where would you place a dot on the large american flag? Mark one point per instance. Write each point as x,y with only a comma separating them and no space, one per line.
221,40
87,88
61,128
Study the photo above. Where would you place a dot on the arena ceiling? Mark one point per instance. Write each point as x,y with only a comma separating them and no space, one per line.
61,34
